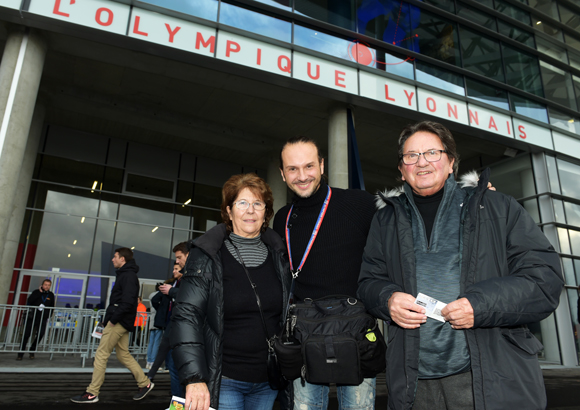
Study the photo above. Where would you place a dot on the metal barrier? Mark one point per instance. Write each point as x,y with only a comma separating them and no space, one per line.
66,330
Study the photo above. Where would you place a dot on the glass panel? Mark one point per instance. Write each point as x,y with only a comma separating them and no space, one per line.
446,5
523,36
206,195
109,206
113,180
68,292
572,213
96,293
576,82
478,17
529,108
339,13
564,121
559,211
66,200
139,184
66,171
386,61
557,85
574,241
283,4
255,22
564,241
569,177
481,54
206,9
103,249
390,21
148,212
551,49
204,219
573,304
440,78
327,44
437,37
65,242
574,62
512,11
151,248
514,177
545,6
548,29
553,174
487,94
572,41
522,70
568,269
569,17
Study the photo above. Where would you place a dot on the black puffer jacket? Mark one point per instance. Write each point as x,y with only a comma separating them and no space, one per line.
511,276
197,322
123,301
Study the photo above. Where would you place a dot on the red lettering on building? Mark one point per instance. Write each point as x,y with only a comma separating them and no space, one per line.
309,71
99,16
409,97
451,111
431,100
136,27
509,128
232,47
473,118
172,32
338,79
57,11
387,93
259,57
199,41
287,66
523,134
492,123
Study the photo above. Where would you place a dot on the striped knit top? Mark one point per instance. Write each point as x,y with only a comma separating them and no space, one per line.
254,252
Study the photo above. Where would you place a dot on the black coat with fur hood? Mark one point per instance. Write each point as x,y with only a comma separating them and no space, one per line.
509,273
196,333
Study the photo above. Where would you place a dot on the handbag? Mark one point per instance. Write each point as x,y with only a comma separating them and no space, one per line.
275,378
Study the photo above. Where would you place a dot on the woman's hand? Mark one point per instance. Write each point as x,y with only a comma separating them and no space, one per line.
196,397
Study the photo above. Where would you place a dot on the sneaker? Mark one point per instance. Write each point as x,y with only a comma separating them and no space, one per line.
143,391
148,365
86,397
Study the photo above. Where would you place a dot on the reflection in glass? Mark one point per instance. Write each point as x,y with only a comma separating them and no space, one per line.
204,219
440,78
66,171
569,177
65,242
551,49
576,82
572,213
564,121
512,11
206,9
327,44
523,36
478,17
557,85
487,94
207,195
447,5
548,29
148,212
522,70
569,17
255,22
390,21
67,292
481,54
572,41
553,174
559,211
564,241
545,6
283,4
514,177
529,108
573,304
142,185
437,38
66,200
574,241
339,13
102,249
96,293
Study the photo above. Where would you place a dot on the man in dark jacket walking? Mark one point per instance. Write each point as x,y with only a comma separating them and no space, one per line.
119,321
478,252
37,318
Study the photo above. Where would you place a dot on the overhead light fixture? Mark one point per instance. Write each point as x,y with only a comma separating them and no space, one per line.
94,186
187,202
83,220
154,229
538,22
571,120
69,255
75,242
132,247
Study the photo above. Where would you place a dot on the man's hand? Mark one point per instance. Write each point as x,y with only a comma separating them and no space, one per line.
196,397
165,288
490,186
459,313
405,312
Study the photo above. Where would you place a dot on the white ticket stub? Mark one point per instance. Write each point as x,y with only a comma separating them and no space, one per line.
432,306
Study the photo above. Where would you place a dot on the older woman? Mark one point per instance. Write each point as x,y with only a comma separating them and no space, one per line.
217,333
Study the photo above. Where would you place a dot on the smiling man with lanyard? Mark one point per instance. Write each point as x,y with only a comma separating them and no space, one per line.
325,230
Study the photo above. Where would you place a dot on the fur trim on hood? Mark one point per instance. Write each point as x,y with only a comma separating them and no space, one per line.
467,180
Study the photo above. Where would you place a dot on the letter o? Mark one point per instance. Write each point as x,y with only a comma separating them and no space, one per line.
432,101
99,14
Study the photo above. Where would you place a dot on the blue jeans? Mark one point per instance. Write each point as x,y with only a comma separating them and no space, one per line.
237,395
155,336
315,396
177,388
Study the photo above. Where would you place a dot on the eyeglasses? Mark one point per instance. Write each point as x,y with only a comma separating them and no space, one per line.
242,204
433,155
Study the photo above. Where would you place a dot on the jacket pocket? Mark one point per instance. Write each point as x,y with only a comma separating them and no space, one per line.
522,338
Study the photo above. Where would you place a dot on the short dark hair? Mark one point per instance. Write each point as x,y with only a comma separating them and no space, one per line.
46,280
125,253
254,183
181,247
297,140
434,128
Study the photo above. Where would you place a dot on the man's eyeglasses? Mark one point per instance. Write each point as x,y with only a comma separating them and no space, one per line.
433,155
242,204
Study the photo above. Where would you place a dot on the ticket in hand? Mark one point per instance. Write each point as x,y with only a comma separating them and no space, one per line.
432,306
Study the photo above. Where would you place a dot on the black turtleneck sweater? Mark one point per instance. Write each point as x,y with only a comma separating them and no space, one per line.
333,265
428,206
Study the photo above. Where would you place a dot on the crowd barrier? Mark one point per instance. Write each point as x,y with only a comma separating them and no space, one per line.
67,330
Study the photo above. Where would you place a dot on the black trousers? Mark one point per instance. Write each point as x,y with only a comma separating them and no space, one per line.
34,322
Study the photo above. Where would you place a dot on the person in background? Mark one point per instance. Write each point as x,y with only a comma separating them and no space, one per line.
218,337
155,333
140,320
119,321
37,318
